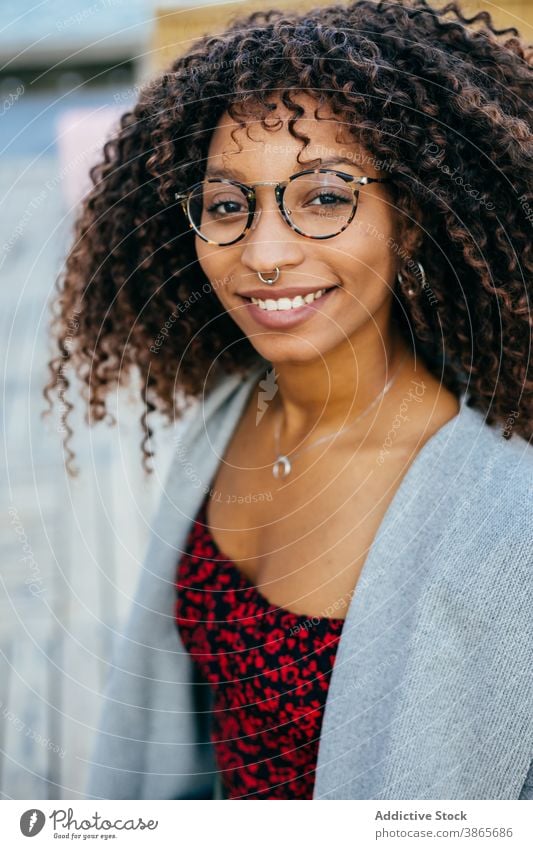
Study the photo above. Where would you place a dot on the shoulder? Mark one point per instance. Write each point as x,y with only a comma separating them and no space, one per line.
474,487
478,453
490,487
503,467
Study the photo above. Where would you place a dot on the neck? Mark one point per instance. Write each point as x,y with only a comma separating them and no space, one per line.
325,395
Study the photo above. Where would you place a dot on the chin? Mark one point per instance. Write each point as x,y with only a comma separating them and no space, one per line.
279,348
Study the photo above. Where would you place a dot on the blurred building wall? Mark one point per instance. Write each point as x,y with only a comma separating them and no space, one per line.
176,27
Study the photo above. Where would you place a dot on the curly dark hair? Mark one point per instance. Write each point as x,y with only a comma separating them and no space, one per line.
444,97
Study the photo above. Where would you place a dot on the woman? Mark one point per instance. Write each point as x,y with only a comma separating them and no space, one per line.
317,226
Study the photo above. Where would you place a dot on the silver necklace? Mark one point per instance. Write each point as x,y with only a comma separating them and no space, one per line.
282,465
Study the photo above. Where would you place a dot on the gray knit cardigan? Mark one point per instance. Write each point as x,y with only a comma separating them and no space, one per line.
431,693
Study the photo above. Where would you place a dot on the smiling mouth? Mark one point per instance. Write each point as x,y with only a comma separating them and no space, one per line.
288,304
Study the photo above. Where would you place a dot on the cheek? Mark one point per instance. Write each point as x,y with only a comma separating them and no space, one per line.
218,266
367,267
368,254
205,257
209,261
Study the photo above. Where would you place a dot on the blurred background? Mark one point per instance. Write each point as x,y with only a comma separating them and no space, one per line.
70,549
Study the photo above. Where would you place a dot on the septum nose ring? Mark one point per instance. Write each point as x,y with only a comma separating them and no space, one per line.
269,280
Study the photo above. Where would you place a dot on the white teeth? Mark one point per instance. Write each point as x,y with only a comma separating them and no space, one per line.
288,303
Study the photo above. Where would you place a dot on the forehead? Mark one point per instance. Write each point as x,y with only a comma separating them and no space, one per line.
328,136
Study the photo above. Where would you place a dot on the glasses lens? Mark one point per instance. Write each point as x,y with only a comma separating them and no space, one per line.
318,204
219,211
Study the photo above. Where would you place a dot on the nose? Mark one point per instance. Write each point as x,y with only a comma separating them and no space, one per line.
265,191
270,241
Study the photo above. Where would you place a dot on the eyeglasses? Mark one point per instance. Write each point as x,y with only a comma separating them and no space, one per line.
317,203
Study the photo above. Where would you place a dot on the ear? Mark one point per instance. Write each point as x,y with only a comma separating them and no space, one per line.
409,235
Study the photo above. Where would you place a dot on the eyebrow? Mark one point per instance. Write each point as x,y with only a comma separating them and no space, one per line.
238,175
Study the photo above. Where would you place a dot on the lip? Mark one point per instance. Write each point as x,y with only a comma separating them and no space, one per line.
288,318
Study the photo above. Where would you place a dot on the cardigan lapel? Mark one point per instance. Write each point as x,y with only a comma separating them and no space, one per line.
372,649
146,746
428,695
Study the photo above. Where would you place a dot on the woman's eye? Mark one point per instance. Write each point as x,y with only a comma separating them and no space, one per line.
329,198
225,207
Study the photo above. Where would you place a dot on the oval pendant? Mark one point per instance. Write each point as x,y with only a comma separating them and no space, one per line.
281,467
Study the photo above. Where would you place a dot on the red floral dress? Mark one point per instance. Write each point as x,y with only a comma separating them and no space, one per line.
269,669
